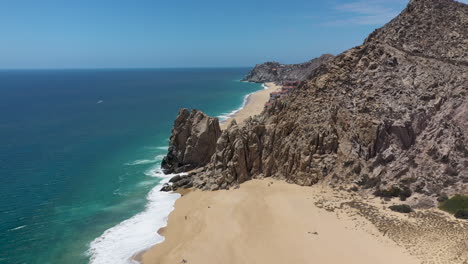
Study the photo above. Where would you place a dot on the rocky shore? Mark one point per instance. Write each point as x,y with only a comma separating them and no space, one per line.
380,126
388,117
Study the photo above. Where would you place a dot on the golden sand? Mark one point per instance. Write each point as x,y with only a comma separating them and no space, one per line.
269,221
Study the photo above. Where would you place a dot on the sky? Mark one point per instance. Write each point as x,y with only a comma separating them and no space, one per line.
182,33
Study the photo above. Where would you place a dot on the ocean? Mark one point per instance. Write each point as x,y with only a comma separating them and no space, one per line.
80,154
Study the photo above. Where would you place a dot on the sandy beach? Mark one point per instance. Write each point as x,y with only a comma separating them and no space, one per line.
269,221
254,106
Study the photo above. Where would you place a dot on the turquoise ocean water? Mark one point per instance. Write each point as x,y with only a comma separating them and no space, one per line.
80,152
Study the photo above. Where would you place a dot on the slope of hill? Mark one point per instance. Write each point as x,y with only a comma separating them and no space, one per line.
276,72
388,117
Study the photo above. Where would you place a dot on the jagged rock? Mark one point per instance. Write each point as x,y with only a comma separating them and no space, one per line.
166,188
178,181
175,178
443,35
276,72
395,106
192,142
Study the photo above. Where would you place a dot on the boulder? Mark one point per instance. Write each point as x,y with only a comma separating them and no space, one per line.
192,142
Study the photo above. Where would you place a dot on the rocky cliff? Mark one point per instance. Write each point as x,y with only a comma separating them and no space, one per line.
388,117
192,143
276,72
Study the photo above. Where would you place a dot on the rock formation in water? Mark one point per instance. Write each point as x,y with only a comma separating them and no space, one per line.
276,72
388,117
192,143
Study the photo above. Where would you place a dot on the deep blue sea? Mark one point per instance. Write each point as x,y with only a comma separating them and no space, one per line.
80,152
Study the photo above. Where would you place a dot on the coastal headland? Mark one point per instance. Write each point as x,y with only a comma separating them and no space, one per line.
374,140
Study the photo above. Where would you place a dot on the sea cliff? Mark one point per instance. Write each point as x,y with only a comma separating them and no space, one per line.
377,129
387,117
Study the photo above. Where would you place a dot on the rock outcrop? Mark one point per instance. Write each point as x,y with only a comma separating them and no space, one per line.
388,117
178,181
192,143
276,72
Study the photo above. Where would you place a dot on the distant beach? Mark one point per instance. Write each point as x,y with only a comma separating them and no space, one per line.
254,104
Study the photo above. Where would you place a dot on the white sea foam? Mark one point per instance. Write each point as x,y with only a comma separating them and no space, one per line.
157,148
225,116
163,147
17,228
158,158
264,86
119,244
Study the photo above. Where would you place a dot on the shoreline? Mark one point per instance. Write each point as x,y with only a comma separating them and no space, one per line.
138,256
109,247
258,224
270,221
254,104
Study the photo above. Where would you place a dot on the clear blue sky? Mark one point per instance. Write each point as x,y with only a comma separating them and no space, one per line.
182,33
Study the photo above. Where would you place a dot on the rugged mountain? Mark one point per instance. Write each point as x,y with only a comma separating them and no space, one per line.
193,141
388,117
276,72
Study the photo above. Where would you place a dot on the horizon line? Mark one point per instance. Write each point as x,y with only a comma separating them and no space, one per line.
126,68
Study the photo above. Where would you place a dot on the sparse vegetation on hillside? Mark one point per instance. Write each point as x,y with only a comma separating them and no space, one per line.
457,205
401,208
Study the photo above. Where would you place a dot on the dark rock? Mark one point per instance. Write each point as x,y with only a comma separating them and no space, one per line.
462,214
175,178
402,208
442,198
166,188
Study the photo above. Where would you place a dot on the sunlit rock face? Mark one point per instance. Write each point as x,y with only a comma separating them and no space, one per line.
388,117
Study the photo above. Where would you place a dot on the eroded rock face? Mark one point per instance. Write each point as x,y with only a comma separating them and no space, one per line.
276,72
192,142
443,35
382,116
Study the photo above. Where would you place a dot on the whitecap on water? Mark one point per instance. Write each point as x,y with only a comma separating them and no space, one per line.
158,158
118,244
157,148
17,228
